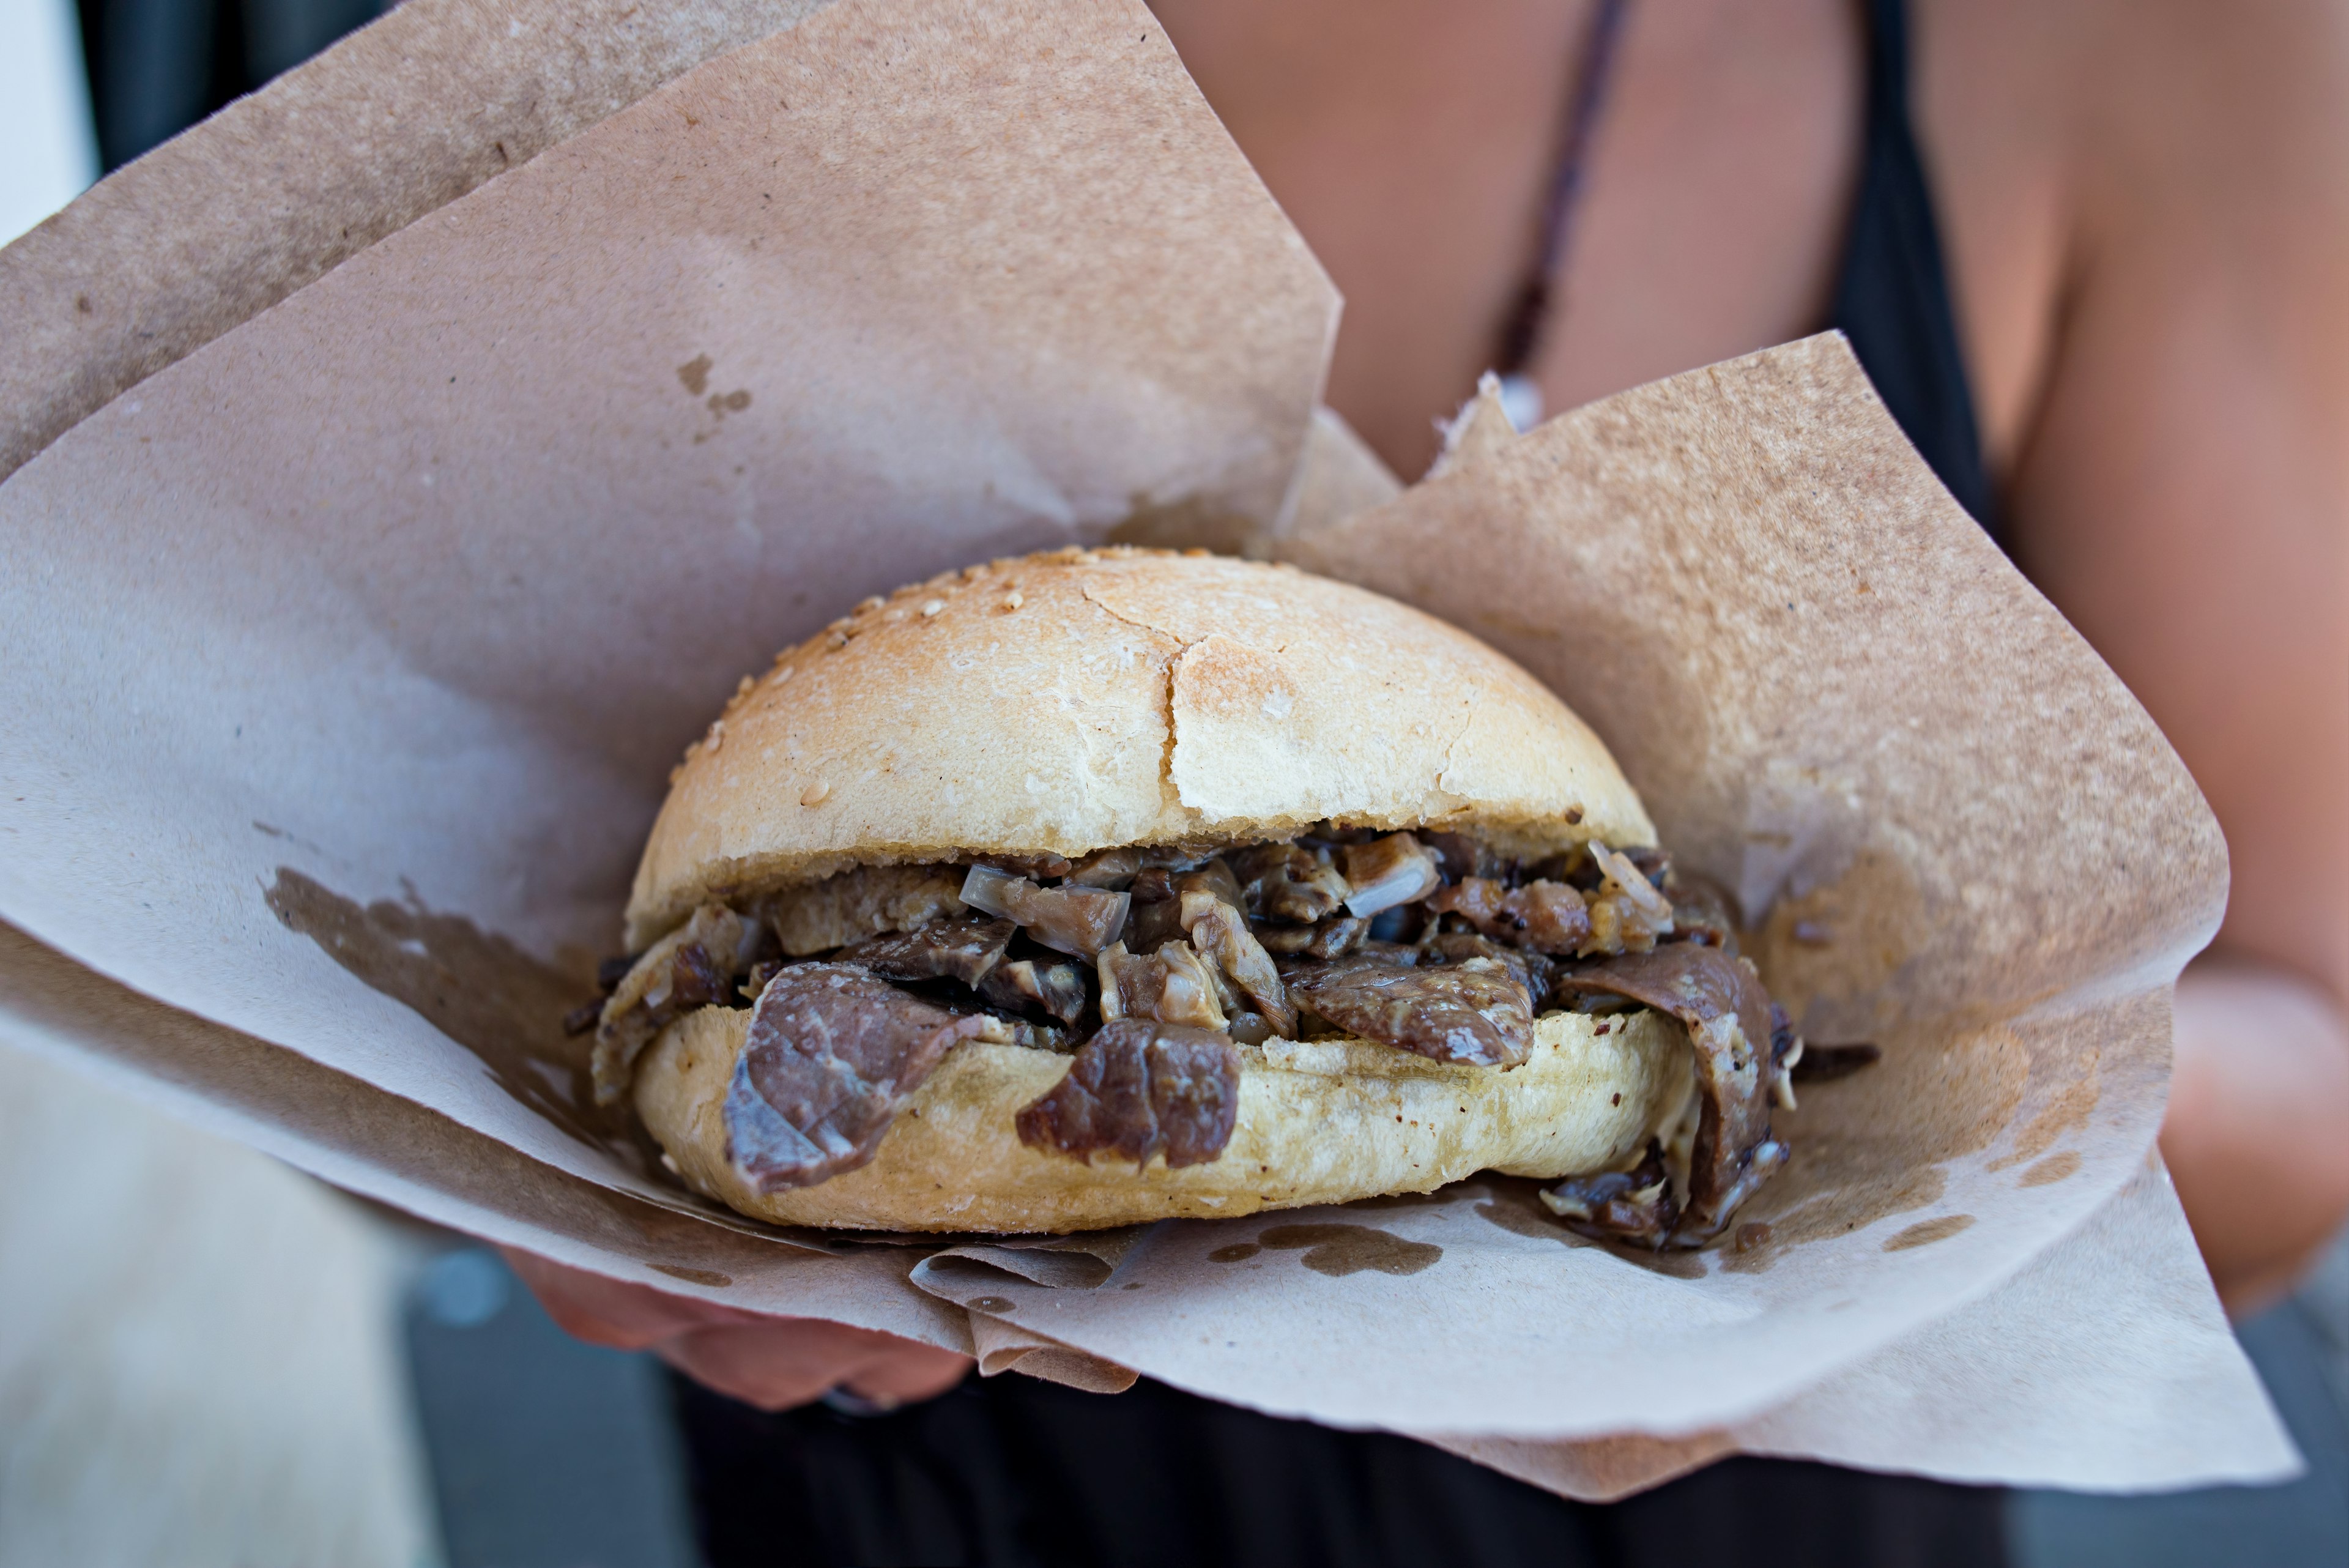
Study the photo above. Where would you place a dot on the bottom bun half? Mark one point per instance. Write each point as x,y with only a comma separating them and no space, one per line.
1323,1121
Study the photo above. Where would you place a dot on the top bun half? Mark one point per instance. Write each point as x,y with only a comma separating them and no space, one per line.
1084,700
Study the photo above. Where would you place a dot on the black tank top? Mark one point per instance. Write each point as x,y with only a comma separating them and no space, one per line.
1012,1473
1892,297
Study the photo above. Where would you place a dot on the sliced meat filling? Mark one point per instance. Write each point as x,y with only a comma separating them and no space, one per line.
1289,883
862,903
1388,872
1171,985
833,1054
1475,1011
1137,1089
1546,917
1729,1019
1058,989
1072,920
1432,942
1633,1204
691,967
1208,904
966,949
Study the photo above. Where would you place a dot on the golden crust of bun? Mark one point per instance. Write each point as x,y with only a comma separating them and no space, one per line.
1319,1122
1081,699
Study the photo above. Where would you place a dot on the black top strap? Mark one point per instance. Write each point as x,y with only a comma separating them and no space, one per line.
1892,298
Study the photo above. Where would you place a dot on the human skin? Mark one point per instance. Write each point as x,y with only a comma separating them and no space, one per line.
2145,207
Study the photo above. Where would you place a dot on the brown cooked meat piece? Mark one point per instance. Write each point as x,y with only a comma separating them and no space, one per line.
1475,1012
1728,1017
964,950
1140,1088
833,1054
1546,917
861,903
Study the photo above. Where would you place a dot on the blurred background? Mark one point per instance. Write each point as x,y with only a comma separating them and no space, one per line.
208,1359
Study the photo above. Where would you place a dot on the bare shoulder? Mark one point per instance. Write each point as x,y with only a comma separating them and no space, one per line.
2196,84
2062,135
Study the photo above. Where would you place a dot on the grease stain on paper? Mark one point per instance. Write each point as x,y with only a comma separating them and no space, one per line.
1928,1232
710,1277
1880,1142
480,989
1516,1207
1337,1251
1237,1253
2053,1169
2064,1111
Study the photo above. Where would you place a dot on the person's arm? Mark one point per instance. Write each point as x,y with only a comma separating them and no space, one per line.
773,1363
2182,495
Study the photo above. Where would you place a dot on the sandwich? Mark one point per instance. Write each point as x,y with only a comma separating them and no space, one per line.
1097,887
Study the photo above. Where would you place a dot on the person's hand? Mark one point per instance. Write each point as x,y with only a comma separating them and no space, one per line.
773,1363
2253,1139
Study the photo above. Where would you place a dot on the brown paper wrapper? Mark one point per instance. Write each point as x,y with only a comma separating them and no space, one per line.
359,631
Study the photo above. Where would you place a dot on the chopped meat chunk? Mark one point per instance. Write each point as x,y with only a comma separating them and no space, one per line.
862,903
1728,1017
1170,986
834,1053
1081,922
1627,913
1532,970
1385,872
1635,1206
1037,867
691,967
1460,855
1333,938
1155,916
966,949
1138,1089
1700,912
1110,868
1208,905
1475,1012
1289,883
1213,878
1548,917
1058,988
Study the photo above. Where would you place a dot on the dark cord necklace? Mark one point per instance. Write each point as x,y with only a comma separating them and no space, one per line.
1545,280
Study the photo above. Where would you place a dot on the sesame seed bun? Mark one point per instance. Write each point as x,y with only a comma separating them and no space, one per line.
1084,700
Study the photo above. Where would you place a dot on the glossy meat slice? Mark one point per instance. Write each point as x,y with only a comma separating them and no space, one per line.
1728,1017
1387,872
1171,985
834,1053
1058,989
1077,920
1208,904
964,950
1137,1089
691,967
862,902
1548,917
1289,883
1532,970
1475,1011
